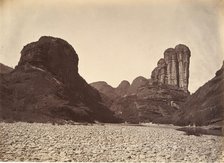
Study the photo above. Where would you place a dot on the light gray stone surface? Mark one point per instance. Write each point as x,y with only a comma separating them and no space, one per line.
110,142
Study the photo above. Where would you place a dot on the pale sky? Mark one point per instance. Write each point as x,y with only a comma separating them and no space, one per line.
119,39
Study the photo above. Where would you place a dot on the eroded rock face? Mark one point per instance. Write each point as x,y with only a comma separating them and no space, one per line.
159,73
53,55
46,86
183,58
174,68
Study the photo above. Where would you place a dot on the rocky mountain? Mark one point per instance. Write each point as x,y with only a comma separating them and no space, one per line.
136,84
122,88
206,105
156,99
111,92
105,89
107,92
46,86
5,69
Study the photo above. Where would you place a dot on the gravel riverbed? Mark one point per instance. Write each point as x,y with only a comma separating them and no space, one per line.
109,142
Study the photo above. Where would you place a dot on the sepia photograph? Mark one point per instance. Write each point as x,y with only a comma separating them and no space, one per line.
112,81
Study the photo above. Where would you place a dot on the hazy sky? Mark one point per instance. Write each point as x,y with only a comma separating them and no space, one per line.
119,39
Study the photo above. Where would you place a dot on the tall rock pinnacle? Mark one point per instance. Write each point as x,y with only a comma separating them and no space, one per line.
183,58
174,68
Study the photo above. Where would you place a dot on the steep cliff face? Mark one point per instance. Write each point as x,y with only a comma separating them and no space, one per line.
5,69
46,86
206,105
183,58
173,69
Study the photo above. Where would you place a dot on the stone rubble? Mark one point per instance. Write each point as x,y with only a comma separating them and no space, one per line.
109,142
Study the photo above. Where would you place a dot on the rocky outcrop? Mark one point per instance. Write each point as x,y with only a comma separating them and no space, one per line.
159,74
146,101
157,99
151,103
5,69
46,86
173,69
206,105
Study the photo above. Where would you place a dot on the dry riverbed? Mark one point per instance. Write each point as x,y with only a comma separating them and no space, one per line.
110,142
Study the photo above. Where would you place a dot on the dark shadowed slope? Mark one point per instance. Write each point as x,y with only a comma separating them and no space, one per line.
5,69
46,86
206,105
